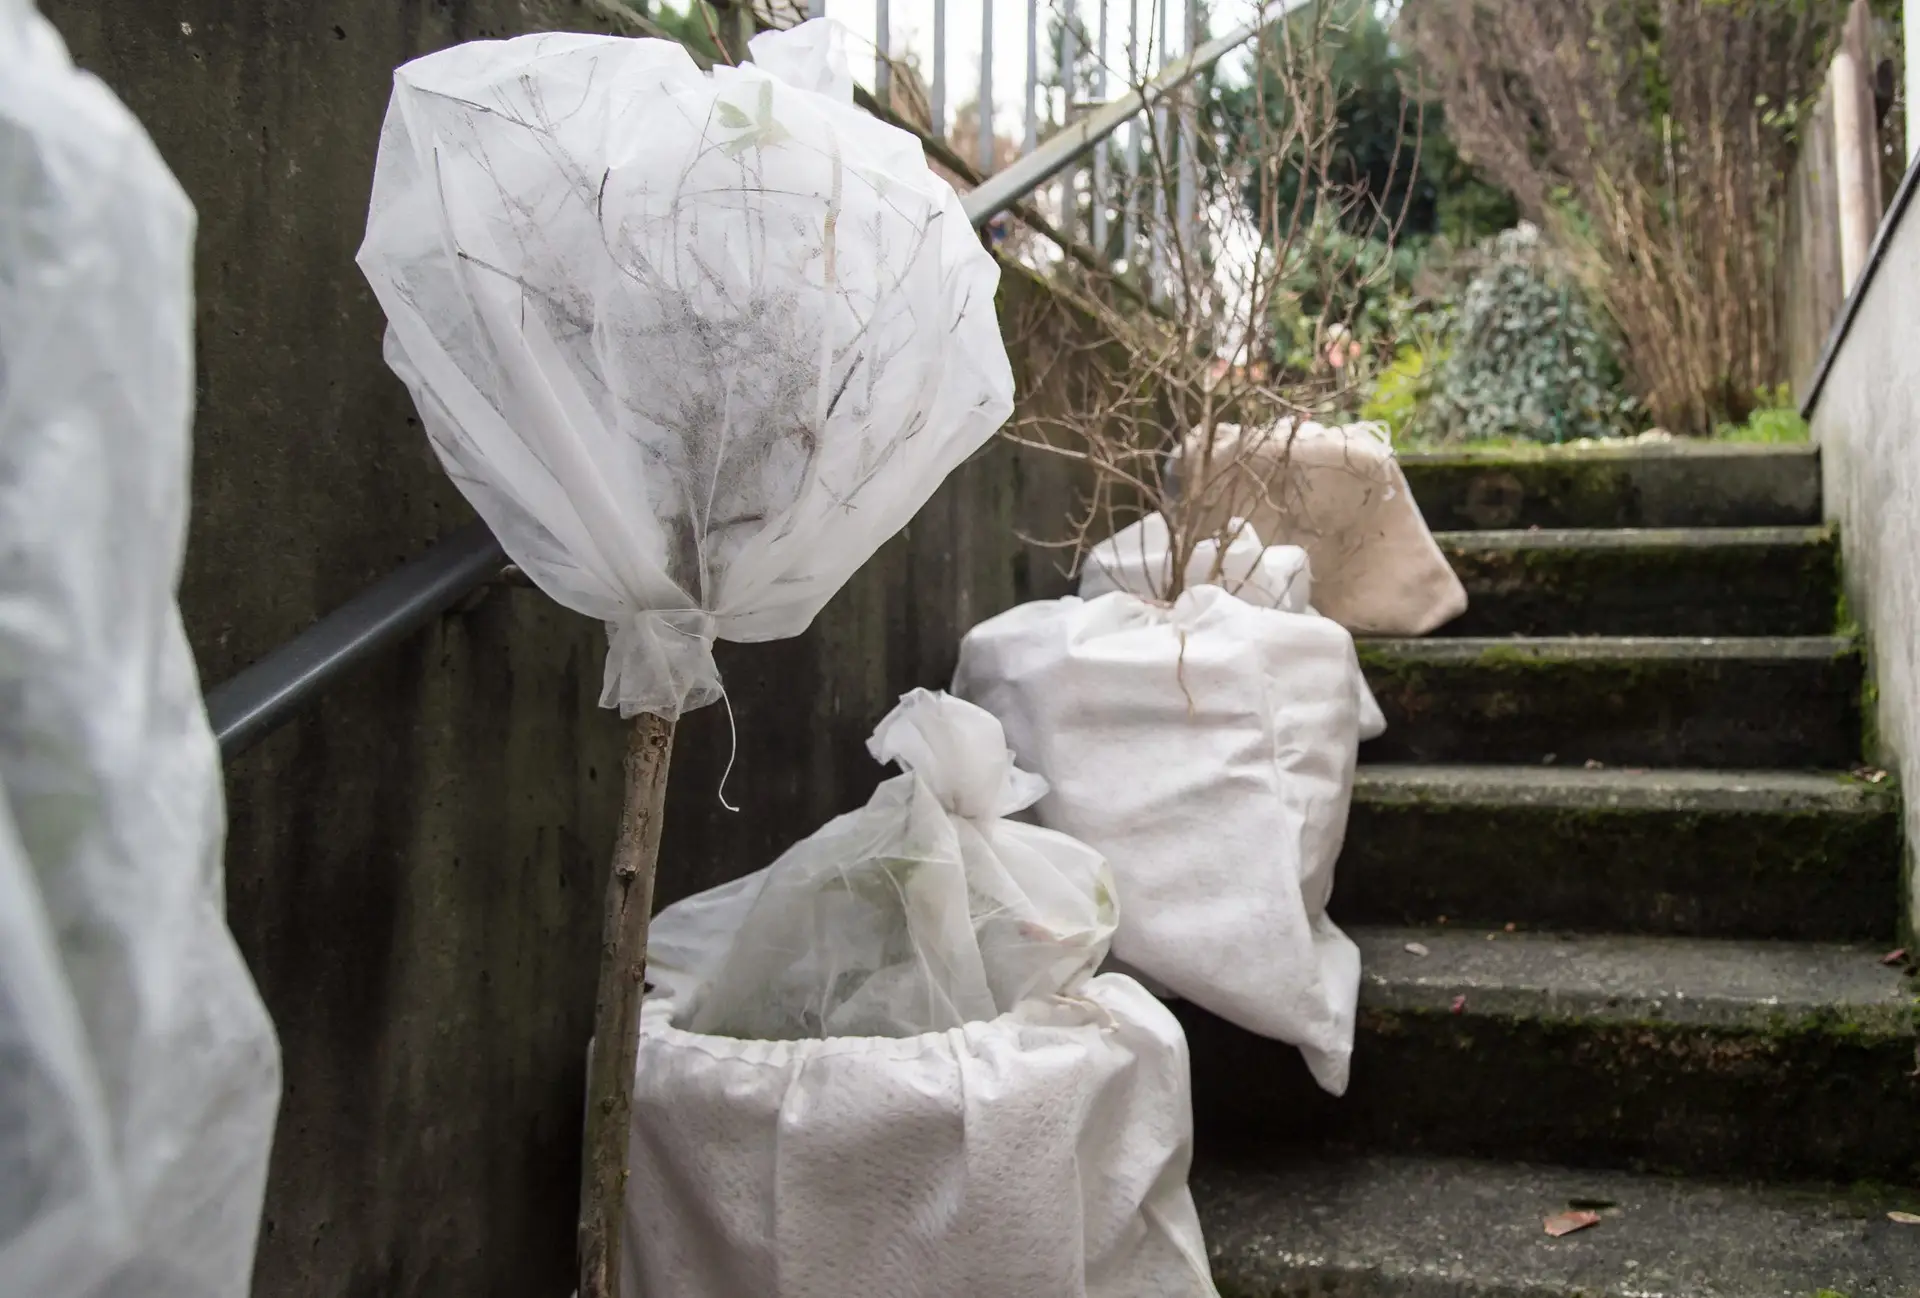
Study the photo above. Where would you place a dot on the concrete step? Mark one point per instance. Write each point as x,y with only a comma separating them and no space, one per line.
1675,484
1767,1059
1718,581
1756,703
1742,854
1435,1228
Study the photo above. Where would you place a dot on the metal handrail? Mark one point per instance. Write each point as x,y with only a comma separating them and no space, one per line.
1065,147
249,706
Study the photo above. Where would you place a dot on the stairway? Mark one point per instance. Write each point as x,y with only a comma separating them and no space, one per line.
1623,907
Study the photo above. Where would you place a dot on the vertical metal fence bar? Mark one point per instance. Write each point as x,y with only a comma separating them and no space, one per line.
939,104
1157,228
882,47
1033,75
986,87
1189,143
1100,186
1129,213
1069,65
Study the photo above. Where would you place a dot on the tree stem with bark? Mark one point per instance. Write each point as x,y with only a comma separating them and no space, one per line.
616,1017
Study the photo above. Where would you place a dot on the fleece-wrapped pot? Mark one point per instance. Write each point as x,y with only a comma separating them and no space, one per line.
1339,494
692,343
949,1105
138,1070
1206,748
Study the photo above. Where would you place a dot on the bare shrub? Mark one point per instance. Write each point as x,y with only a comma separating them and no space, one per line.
1233,256
1653,141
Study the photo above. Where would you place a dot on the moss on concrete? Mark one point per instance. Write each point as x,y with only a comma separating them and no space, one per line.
1515,703
1634,486
1757,583
1811,1096
1797,875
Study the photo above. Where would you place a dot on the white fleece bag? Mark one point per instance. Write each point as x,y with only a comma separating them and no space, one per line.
1340,494
1207,749
693,344
1139,559
946,1105
139,1075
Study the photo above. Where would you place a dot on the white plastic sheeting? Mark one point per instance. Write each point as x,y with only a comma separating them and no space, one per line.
924,910
693,344
1207,749
139,1074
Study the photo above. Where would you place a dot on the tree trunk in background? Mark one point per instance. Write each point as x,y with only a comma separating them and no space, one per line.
1856,143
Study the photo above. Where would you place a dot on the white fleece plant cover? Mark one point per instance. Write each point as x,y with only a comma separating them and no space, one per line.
924,910
693,344
139,1075
1207,749
992,1122
1139,559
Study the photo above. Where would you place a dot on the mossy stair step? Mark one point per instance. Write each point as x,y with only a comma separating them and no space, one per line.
1436,1228
1755,702
1675,484
1719,581
1695,1057
1736,854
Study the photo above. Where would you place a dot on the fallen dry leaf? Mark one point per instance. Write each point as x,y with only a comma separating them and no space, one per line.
1459,1005
1894,957
1905,1218
1417,948
1568,1222
1595,766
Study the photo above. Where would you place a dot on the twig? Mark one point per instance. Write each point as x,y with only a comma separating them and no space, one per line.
616,1016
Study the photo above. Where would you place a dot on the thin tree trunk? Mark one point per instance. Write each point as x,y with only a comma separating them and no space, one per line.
616,1017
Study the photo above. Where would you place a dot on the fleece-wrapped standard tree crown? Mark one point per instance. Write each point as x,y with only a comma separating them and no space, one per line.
694,344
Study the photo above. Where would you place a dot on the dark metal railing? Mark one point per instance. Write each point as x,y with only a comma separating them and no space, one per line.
251,705
261,698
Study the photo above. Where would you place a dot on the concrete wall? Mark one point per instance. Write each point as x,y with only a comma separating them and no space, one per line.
415,869
1867,422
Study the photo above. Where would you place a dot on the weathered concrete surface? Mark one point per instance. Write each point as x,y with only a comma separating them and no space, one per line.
1662,484
1746,854
1439,1228
415,869
1708,1058
1789,702
1709,581
1867,424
